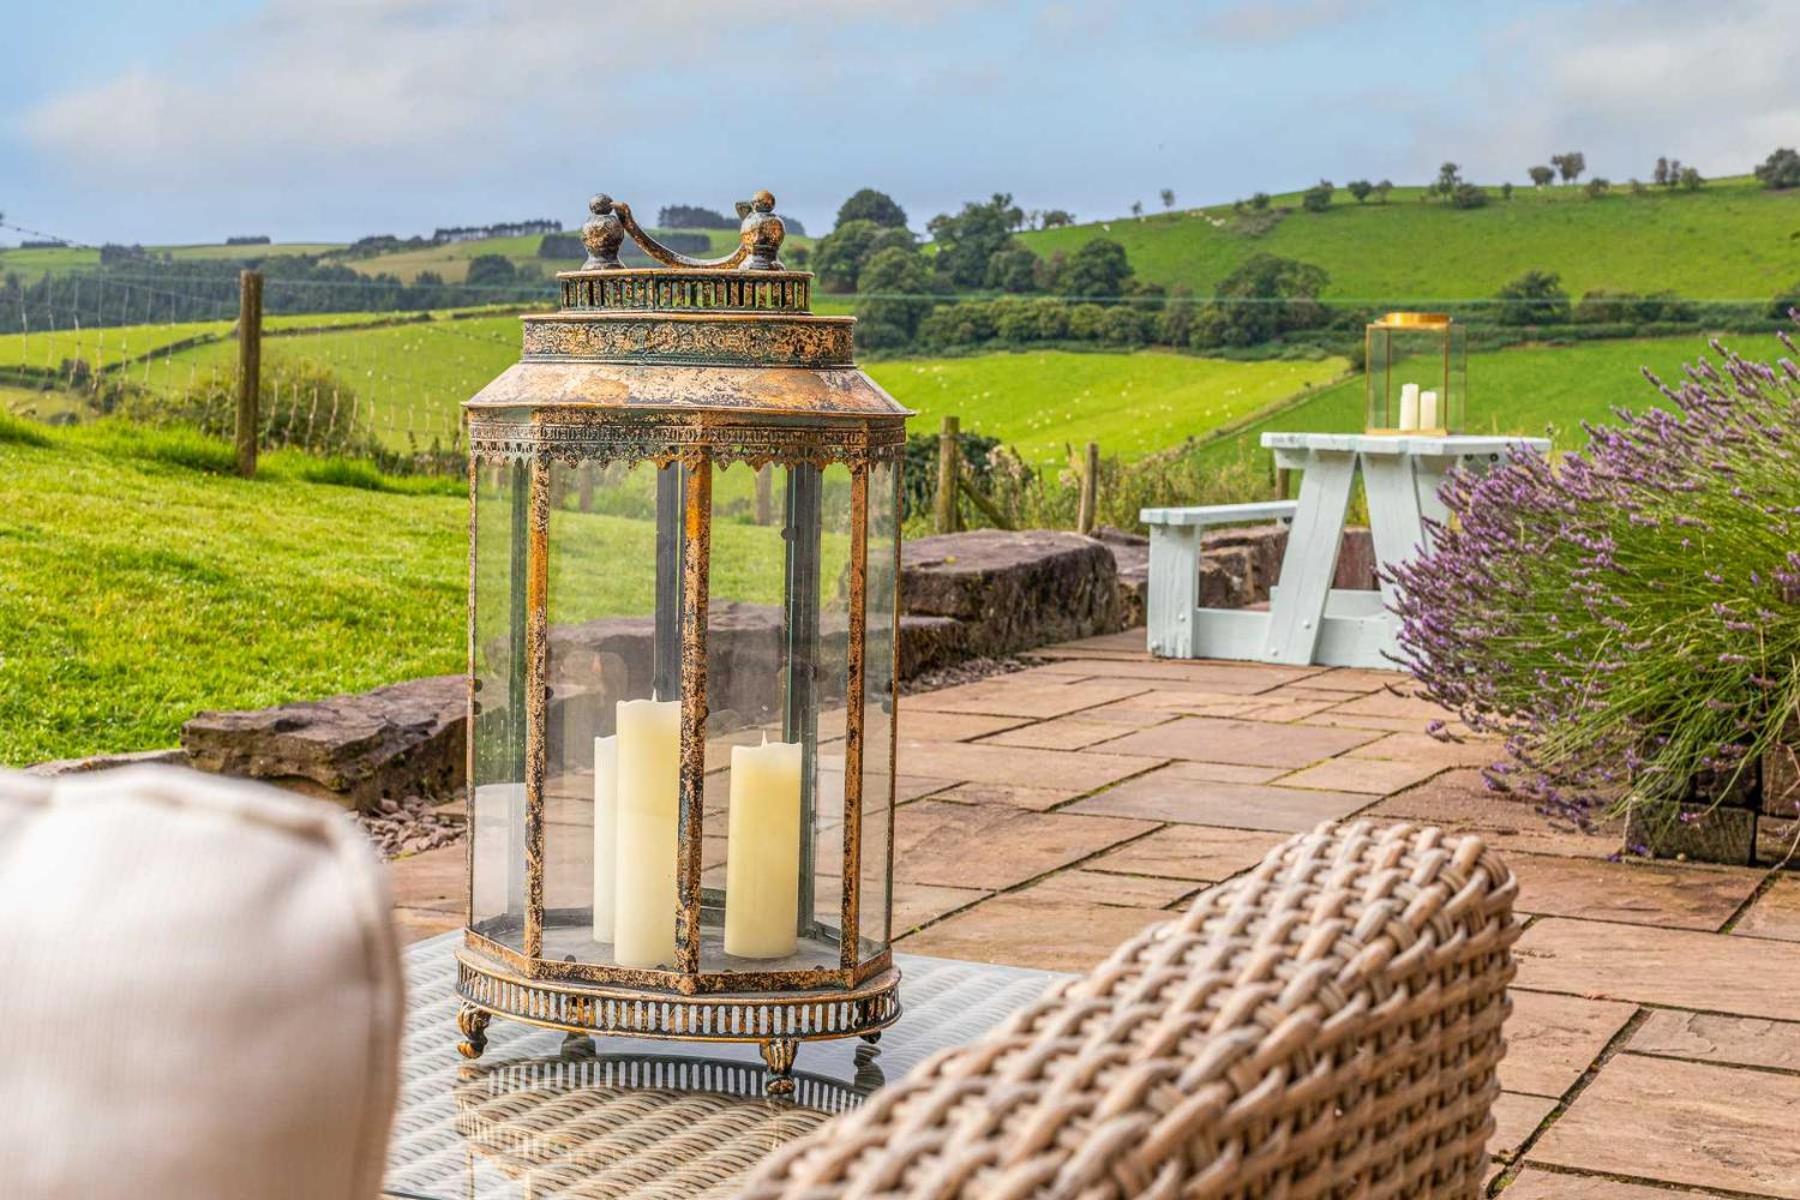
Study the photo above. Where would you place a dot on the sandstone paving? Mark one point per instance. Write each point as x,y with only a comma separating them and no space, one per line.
1158,705
1355,680
983,762
1371,776
1162,797
1674,968
1240,678
1676,1122
1534,1183
417,924
915,904
928,725
1423,748
1516,1118
1386,704
1014,696
1018,795
1056,935
1716,1038
1333,718
1196,853
1459,802
1242,742
437,880
960,845
1551,1040
1095,887
1668,895
1063,733
1776,913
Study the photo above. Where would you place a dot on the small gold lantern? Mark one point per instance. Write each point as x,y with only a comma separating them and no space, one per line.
1416,374
683,655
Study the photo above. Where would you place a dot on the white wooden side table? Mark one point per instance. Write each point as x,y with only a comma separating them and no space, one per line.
1308,620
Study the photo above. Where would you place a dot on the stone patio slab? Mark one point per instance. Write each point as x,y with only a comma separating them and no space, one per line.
1633,892
1287,711
1195,853
1674,968
1710,1037
1535,1184
1038,799
1130,642
1355,680
1422,748
1159,705
1333,719
981,762
993,847
1019,930
1238,678
1385,703
1162,797
1685,1123
1516,1118
1372,776
1551,1040
1245,743
1127,891
1776,913
926,725
915,904
1017,696
1063,733
435,881
1459,802
417,924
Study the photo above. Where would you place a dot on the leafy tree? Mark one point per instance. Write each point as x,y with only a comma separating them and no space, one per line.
1570,165
1604,307
1448,180
1317,198
1055,218
1014,268
1259,201
1506,190
1785,302
1597,187
1264,298
1168,197
1099,269
1467,195
895,289
840,256
1541,176
1637,186
691,216
1534,298
1383,188
867,204
1674,178
490,270
1660,176
1360,188
968,240
1690,180
1176,321
1780,170
1137,208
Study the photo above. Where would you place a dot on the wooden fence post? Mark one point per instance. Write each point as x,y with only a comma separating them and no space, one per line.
249,332
949,462
1086,515
765,495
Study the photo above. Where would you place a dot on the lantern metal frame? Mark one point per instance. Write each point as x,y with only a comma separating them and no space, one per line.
701,364
1379,395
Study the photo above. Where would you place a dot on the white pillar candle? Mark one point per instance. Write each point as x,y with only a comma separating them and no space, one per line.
762,853
1409,406
499,852
606,833
648,800
1428,410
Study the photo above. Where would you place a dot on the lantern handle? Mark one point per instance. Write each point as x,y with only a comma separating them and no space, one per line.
759,238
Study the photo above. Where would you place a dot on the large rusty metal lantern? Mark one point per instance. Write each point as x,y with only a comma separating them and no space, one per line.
684,552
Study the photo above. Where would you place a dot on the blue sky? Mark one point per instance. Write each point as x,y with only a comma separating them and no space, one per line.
330,119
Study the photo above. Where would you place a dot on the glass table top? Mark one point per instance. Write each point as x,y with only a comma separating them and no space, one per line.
539,1115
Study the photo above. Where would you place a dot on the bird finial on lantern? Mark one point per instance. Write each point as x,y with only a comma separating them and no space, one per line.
759,238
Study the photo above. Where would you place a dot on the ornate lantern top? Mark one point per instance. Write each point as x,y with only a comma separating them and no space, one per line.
723,357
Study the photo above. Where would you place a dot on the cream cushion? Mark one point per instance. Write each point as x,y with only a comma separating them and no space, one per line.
200,992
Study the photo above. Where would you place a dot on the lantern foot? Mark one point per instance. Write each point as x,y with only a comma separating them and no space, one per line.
779,1054
873,1037
579,1045
473,1022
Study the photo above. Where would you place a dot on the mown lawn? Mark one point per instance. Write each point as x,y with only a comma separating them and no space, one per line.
143,585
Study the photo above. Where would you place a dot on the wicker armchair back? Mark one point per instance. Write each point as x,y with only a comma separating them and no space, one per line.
1327,1024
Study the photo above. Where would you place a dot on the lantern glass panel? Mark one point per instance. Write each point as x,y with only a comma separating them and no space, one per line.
1417,376
603,648
777,660
878,707
497,781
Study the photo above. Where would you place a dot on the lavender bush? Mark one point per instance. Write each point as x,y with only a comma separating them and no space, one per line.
1629,617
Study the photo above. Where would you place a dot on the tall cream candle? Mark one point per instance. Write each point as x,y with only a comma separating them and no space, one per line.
606,833
1428,410
1409,406
648,801
762,852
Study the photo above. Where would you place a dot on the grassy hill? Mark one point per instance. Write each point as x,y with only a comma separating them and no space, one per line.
57,259
1730,240
451,260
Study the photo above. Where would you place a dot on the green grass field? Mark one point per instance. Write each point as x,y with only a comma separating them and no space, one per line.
451,261
66,258
1040,401
1730,240
143,585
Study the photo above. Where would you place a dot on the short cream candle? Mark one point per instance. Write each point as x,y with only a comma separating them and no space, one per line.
1409,406
606,833
1428,410
762,853
648,801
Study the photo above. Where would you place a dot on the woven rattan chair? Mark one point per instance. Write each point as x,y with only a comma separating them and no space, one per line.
1326,1025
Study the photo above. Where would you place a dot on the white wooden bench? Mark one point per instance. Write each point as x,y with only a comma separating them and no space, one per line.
1175,565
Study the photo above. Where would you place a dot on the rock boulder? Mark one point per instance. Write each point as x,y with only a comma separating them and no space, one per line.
1013,591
